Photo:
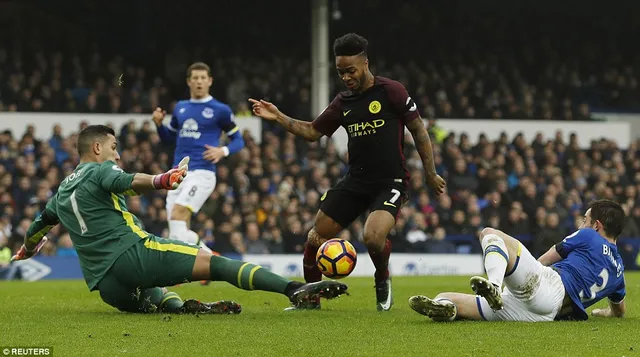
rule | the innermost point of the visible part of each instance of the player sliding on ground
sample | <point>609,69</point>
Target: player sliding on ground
<point>574,274</point>
<point>130,266</point>
<point>375,112</point>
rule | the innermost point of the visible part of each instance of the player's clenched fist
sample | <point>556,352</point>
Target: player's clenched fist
<point>158,116</point>
<point>172,179</point>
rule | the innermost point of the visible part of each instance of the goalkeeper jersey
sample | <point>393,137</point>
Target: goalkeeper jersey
<point>90,204</point>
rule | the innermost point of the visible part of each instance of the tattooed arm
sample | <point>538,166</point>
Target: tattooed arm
<point>300,128</point>
<point>407,109</point>
<point>423,145</point>
<point>325,124</point>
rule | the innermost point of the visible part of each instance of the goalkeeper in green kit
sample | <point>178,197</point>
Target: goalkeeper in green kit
<point>129,266</point>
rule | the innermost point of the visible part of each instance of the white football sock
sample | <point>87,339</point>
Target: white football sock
<point>191,237</point>
<point>496,258</point>
<point>204,246</point>
<point>178,230</point>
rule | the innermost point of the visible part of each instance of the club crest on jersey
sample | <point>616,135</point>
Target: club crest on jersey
<point>375,107</point>
<point>190,129</point>
<point>207,113</point>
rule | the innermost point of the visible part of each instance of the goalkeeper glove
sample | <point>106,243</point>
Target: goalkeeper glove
<point>24,253</point>
<point>172,179</point>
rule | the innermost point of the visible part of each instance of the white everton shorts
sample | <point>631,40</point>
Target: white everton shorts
<point>193,192</point>
<point>532,292</point>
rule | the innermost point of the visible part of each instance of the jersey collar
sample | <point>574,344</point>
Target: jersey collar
<point>203,100</point>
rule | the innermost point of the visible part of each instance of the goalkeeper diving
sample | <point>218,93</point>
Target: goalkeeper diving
<point>130,267</point>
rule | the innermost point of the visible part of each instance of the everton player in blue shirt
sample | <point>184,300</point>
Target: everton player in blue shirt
<point>196,126</point>
<point>579,271</point>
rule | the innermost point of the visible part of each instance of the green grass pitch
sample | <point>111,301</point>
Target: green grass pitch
<point>63,314</point>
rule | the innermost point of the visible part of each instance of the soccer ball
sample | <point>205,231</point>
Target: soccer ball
<point>336,258</point>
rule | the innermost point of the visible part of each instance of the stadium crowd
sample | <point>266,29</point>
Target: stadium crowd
<point>267,195</point>
<point>491,66</point>
<point>63,82</point>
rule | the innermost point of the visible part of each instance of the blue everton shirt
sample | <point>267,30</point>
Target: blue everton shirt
<point>591,270</point>
<point>196,123</point>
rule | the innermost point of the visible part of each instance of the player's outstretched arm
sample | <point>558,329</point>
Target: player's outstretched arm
<point>268,111</point>
<point>169,180</point>
<point>113,179</point>
<point>298,127</point>
<point>423,145</point>
<point>35,237</point>
<point>614,310</point>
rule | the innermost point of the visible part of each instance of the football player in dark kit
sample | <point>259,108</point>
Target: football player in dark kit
<point>374,111</point>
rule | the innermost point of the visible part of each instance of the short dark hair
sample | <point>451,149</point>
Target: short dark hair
<point>610,214</point>
<point>350,44</point>
<point>90,135</point>
<point>198,66</point>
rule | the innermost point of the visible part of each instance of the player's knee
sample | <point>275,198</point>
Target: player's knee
<point>487,231</point>
<point>180,213</point>
<point>374,238</point>
<point>495,243</point>
<point>314,238</point>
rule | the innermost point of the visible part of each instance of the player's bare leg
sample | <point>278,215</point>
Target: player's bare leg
<point>248,276</point>
<point>447,306</point>
<point>324,228</point>
<point>376,229</point>
<point>500,256</point>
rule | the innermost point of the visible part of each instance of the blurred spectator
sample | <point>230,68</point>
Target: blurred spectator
<point>258,213</point>
<point>491,66</point>
<point>65,246</point>
<point>437,244</point>
<point>550,234</point>
<point>6,270</point>
<point>254,244</point>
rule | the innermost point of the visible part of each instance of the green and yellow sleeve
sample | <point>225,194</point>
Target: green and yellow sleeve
<point>42,224</point>
<point>113,179</point>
